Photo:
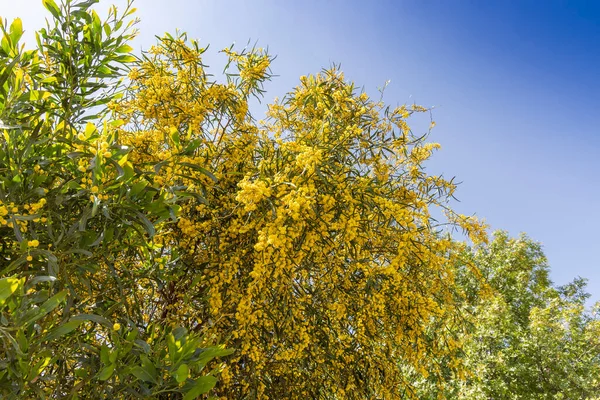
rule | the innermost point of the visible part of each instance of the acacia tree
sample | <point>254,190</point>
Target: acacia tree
<point>310,247</point>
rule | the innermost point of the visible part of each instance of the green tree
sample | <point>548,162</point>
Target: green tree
<point>530,340</point>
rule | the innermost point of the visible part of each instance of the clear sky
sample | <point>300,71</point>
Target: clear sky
<point>516,86</point>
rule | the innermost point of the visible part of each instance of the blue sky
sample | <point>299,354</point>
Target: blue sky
<point>515,85</point>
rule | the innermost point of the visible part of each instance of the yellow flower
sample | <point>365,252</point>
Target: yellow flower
<point>29,258</point>
<point>94,189</point>
<point>33,243</point>
<point>107,154</point>
<point>116,326</point>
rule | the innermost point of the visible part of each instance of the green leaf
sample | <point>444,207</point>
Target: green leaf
<point>93,318</point>
<point>174,135</point>
<point>63,329</point>
<point>35,95</point>
<point>124,49</point>
<point>16,31</point>
<point>146,222</point>
<point>182,373</point>
<point>104,354</point>
<point>202,385</point>
<point>8,286</point>
<point>48,306</point>
<point>148,366</point>
<point>142,374</point>
<point>125,59</point>
<point>52,7</point>
<point>138,187</point>
<point>106,372</point>
<point>113,356</point>
<point>200,169</point>
<point>211,352</point>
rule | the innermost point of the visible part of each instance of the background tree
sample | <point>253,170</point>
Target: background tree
<point>530,340</point>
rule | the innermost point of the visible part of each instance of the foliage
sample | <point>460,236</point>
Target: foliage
<point>531,340</point>
<point>76,226</point>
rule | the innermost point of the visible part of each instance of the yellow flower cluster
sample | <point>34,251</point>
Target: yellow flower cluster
<point>251,193</point>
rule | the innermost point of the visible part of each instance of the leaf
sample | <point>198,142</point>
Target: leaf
<point>142,374</point>
<point>48,306</point>
<point>200,169</point>
<point>126,59</point>
<point>63,329</point>
<point>202,385</point>
<point>174,135</point>
<point>124,49</point>
<point>34,281</point>
<point>52,7</point>
<point>93,318</point>
<point>138,187</point>
<point>148,366</point>
<point>106,372</point>
<point>8,286</point>
<point>104,354</point>
<point>35,95</point>
<point>143,345</point>
<point>209,353</point>
<point>146,222</point>
<point>182,373</point>
<point>89,129</point>
<point>16,31</point>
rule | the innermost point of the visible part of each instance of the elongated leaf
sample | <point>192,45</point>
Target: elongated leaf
<point>202,385</point>
<point>142,374</point>
<point>93,318</point>
<point>52,7</point>
<point>48,306</point>
<point>106,372</point>
<point>63,329</point>
<point>7,287</point>
<point>182,373</point>
<point>200,169</point>
<point>146,222</point>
